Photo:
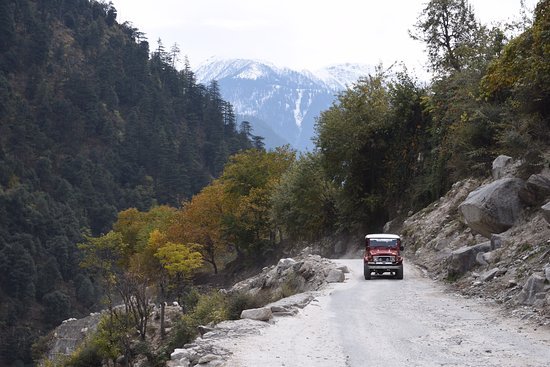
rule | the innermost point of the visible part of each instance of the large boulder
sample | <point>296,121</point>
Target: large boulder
<point>501,166</point>
<point>493,208</point>
<point>546,211</point>
<point>464,259</point>
<point>536,190</point>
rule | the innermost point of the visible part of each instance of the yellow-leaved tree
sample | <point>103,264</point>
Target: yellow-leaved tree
<point>137,255</point>
<point>200,222</point>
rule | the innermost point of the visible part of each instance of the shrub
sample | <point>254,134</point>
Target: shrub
<point>209,308</point>
<point>237,302</point>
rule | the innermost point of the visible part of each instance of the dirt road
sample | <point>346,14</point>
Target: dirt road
<point>388,322</point>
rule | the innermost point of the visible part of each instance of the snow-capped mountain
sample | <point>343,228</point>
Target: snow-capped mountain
<point>279,102</point>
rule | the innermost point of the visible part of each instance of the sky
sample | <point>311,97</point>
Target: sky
<point>299,34</point>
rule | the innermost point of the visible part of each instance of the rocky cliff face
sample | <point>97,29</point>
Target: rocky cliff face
<point>489,239</point>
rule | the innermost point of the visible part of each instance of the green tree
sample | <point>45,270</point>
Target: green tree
<point>449,30</point>
<point>519,80</point>
<point>353,139</point>
<point>303,203</point>
<point>57,306</point>
<point>249,180</point>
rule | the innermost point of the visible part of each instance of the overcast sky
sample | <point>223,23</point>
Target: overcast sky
<point>300,34</point>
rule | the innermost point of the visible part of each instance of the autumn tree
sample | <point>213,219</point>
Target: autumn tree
<point>200,221</point>
<point>137,254</point>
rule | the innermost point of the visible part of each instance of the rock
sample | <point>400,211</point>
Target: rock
<point>490,257</point>
<point>335,276</point>
<point>299,300</point>
<point>546,211</point>
<point>260,314</point>
<point>493,208</point>
<point>501,166</point>
<point>208,358</point>
<point>480,259</point>
<point>533,285</point>
<point>204,329</point>
<point>442,244</point>
<point>547,272</point>
<point>496,241</point>
<point>463,259</point>
<point>488,275</point>
<point>121,360</point>
<point>344,269</point>
<point>285,263</point>
<point>307,270</point>
<point>536,190</point>
<point>179,353</point>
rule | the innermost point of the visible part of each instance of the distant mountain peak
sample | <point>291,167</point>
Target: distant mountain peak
<point>277,99</point>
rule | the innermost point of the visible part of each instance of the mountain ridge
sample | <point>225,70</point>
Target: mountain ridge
<point>287,100</point>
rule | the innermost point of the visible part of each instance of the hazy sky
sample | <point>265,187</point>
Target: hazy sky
<point>300,34</point>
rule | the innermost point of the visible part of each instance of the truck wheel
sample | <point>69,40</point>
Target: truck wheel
<point>366,270</point>
<point>399,272</point>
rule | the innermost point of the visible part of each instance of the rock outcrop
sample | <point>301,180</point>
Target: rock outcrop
<point>464,258</point>
<point>536,190</point>
<point>493,208</point>
<point>502,166</point>
<point>260,314</point>
<point>289,276</point>
<point>448,239</point>
<point>302,276</point>
<point>69,335</point>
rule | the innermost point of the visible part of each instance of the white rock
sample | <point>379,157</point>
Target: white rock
<point>335,276</point>
<point>344,269</point>
<point>208,358</point>
<point>179,353</point>
<point>261,314</point>
<point>501,165</point>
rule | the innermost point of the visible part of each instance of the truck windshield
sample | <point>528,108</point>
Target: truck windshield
<point>383,242</point>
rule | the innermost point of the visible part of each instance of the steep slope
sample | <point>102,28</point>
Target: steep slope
<point>91,123</point>
<point>287,100</point>
<point>512,267</point>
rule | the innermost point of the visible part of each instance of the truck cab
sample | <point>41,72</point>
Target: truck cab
<point>383,255</point>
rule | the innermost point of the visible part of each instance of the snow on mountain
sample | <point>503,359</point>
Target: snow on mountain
<point>341,76</point>
<point>288,101</point>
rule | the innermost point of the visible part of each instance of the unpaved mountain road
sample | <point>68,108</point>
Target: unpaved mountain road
<point>388,322</point>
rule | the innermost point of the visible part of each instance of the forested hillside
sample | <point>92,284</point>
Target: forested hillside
<point>93,120</point>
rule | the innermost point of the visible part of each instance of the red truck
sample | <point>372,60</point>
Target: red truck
<point>383,254</point>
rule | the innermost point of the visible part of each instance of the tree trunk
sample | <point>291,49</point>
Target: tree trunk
<point>162,327</point>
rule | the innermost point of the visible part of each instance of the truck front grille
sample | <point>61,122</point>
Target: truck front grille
<point>384,259</point>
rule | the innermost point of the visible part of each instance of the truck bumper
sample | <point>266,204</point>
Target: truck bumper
<point>374,266</point>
